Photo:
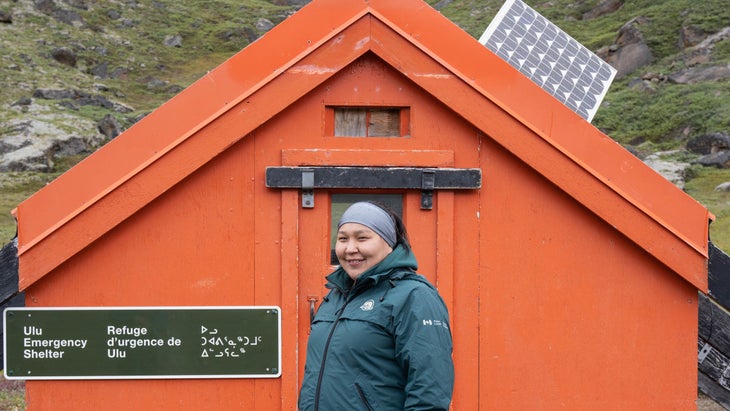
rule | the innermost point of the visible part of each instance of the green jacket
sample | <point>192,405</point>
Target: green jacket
<point>381,343</point>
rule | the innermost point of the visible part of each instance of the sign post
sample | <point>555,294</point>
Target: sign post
<point>146,343</point>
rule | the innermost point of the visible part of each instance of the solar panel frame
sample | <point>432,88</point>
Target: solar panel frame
<point>549,57</point>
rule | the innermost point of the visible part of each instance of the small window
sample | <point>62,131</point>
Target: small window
<point>340,202</point>
<point>368,121</point>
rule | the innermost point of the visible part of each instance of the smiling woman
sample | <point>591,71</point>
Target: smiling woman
<point>383,331</point>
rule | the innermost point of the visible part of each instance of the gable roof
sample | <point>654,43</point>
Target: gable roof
<point>313,45</point>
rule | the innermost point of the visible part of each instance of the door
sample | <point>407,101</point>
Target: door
<point>310,234</point>
<point>309,217</point>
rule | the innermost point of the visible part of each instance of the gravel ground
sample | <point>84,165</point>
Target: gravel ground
<point>705,403</point>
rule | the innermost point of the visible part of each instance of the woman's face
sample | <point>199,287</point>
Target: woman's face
<point>359,248</point>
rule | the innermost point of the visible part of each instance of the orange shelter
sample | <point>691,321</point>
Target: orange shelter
<point>570,268</point>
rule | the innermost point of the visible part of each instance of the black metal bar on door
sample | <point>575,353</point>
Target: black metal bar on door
<point>425,179</point>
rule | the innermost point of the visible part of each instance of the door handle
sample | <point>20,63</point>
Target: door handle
<point>312,301</point>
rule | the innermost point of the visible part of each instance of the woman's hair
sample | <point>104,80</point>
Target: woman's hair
<point>401,234</point>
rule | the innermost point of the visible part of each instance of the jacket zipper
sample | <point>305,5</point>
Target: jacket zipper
<point>361,394</point>
<point>326,349</point>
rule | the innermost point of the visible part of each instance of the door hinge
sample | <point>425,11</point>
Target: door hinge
<point>428,182</point>
<point>307,188</point>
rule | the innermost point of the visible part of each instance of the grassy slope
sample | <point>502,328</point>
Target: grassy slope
<point>12,394</point>
<point>212,31</point>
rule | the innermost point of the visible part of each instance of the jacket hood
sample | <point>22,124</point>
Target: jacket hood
<point>400,260</point>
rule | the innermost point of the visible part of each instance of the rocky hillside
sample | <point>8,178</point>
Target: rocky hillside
<point>76,73</point>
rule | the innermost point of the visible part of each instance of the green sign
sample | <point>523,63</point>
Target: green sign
<point>163,342</point>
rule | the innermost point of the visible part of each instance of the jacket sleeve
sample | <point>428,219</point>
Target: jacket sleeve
<point>423,349</point>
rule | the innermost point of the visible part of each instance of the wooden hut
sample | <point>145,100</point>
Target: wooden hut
<point>570,268</point>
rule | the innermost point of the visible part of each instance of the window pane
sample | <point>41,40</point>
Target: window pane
<point>384,123</point>
<point>350,122</point>
<point>340,202</point>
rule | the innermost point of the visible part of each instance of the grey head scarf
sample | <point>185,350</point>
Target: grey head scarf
<point>373,217</point>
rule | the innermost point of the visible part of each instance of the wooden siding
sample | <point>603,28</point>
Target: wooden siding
<point>713,342</point>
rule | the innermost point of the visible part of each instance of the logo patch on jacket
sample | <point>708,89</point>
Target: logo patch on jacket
<point>367,305</point>
<point>437,323</point>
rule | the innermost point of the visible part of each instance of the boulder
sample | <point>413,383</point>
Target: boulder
<point>81,98</point>
<point>245,33</point>
<point>109,127</point>
<point>55,94</point>
<point>32,143</point>
<point>65,56</point>
<point>709,143</point>
<point>173,41</point>
<point>6,17</point>
<point>263,25</point>
<point>441,4</point>
<point>672,170</point>
<point>629,51</point>
<point>101,70</point>
<point>51,8</point>
<point>690,36</point>
<point>701,74</point>
<point>28,158</point>
<point>23,101</point>
<point>720,159</point>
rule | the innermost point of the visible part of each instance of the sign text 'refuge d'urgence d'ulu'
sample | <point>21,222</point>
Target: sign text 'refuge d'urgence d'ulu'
<point>164,342</point>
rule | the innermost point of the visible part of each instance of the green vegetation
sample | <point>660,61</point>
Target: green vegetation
<point>12,394</point>
<point>629,114</point>
<point>16,187</point>
<point>702,188</point>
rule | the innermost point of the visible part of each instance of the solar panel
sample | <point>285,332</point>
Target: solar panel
<point>549,57</point>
